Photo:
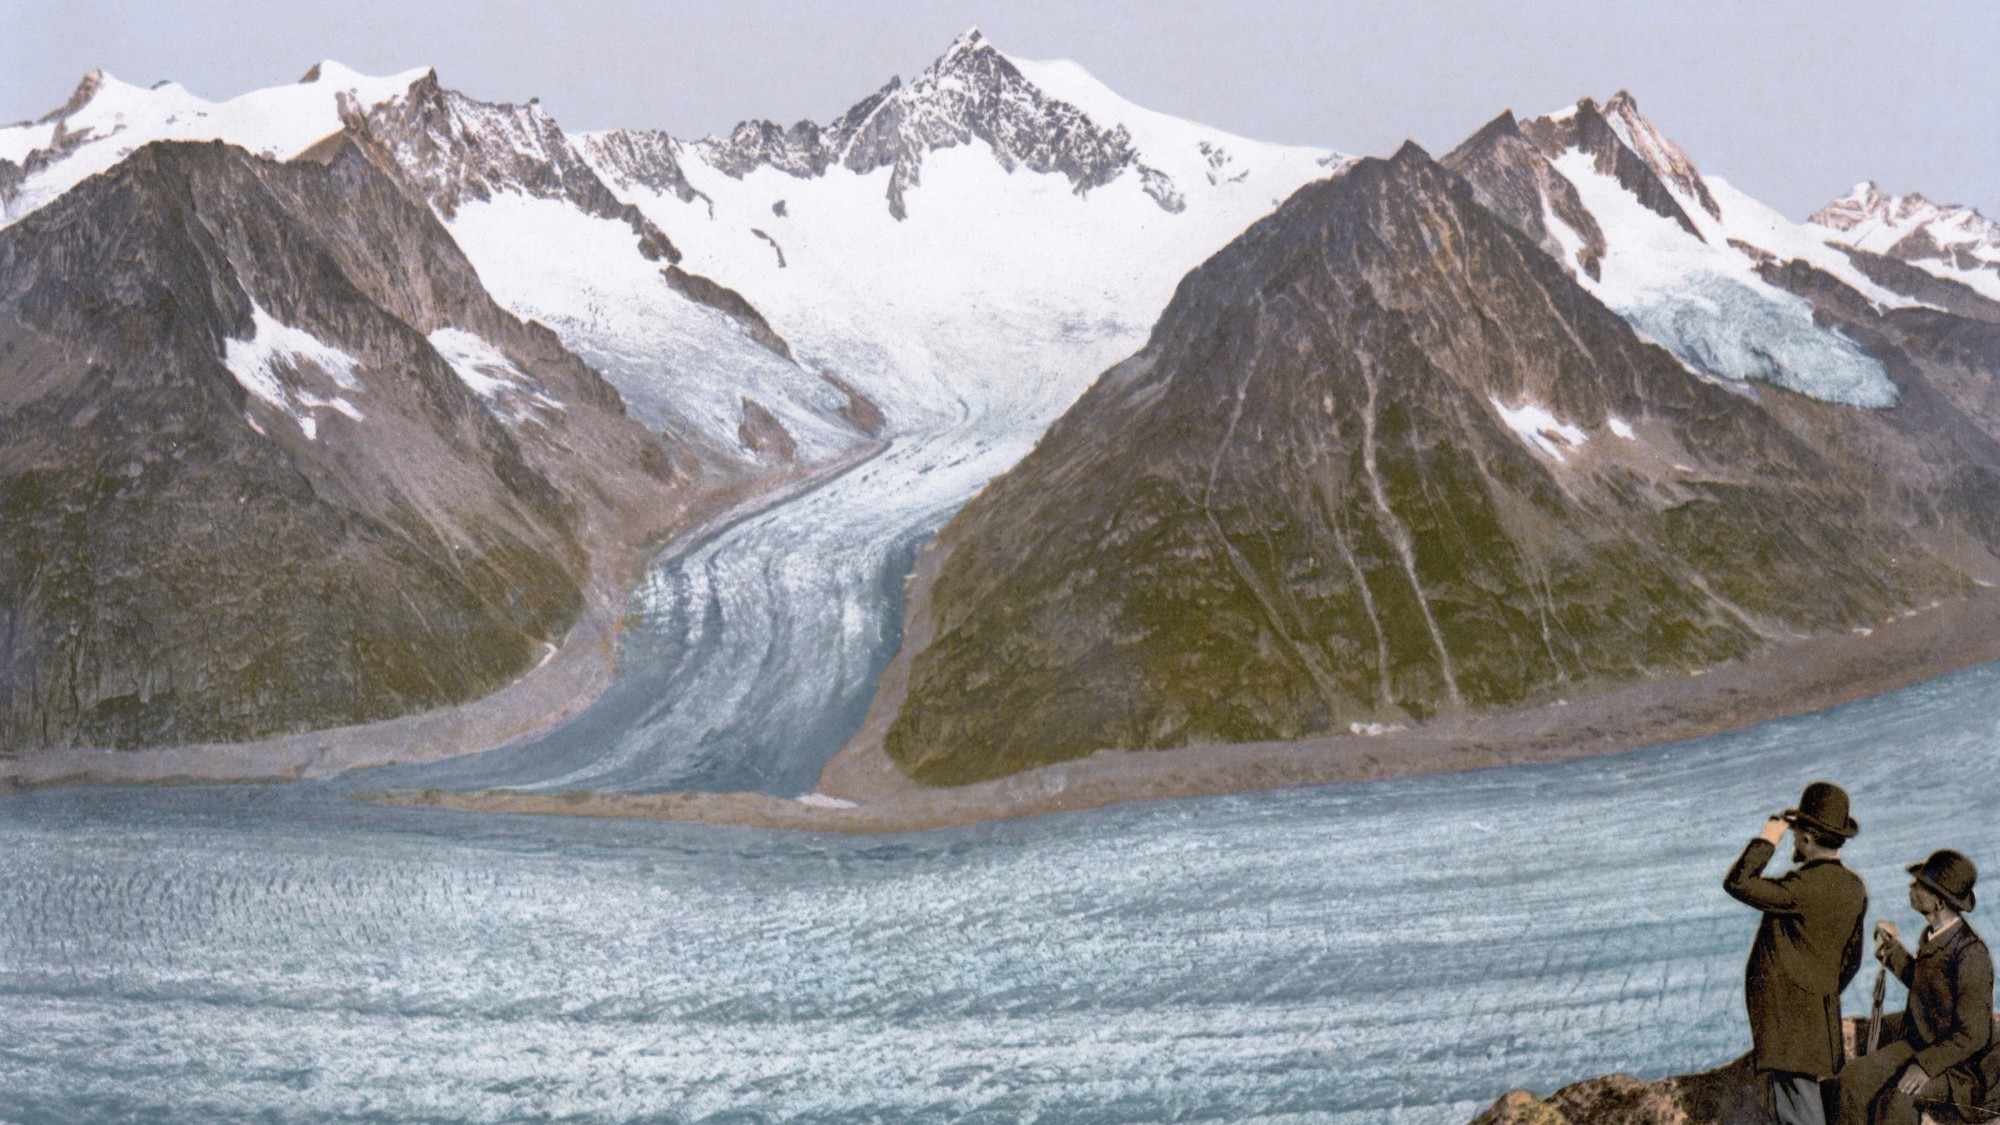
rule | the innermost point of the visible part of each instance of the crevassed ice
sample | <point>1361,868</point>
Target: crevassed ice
<point>274,348</point>
<point>1724,329</point>
<point>1704,301</point>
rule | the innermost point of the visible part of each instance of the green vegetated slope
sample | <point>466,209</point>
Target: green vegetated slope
<point>1302,505</point>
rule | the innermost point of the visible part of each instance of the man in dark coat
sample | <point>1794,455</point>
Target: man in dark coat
<point>1808,947</point>
<point>1930,1051</point>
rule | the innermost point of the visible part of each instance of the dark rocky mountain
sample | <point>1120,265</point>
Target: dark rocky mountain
<point>1512,177</point>
<point>1383,458</point>
<point>970,92</point>
<point>271,459</point>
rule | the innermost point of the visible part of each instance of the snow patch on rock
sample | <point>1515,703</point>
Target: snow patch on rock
<point>510,393</point>
<point>268,365</point>
<point>1534,424</point>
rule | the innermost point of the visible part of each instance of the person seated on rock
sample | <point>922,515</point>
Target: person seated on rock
<point>1931,1051</point>
<point>1808,947</point>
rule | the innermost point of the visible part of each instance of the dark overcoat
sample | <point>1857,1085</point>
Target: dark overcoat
<point>1808,947</point>
<point>1949,1021</point>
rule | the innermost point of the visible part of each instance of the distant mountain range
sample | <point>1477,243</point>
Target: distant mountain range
<point>330,403</point>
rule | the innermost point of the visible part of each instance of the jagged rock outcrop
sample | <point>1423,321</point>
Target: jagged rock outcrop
<point>764,435</point>
<point>271,459</point>
<point>1382,459</point>
<point>450,148</point>
<point>1730,1095</point>
<point>971,92</point>
<point>724,299</point>
<point>645,157</point>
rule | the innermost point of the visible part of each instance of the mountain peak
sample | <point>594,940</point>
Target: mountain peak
<point>1504,125</point>
<point>972,92</point>
<point>1411,154</point>
<point>1626,146</point>
<point>968,40</point>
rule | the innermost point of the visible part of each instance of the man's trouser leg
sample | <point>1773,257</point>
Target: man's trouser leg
<point>1796,1099</point>
<point>1868,1094</point>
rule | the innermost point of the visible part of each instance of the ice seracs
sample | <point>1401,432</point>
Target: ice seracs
<point>1681,257</point>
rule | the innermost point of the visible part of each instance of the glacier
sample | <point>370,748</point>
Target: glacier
<point>1393,953</point>
<point>1725,329</point>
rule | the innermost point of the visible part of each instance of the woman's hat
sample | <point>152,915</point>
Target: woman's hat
<point>1951,875</point>
<point>1824,806</point>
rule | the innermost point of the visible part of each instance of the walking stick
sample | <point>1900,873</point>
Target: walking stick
<point>1875,1011</point>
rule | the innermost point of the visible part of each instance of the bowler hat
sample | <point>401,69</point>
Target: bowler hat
<point>1951,875</point>
<point>1824,806</point>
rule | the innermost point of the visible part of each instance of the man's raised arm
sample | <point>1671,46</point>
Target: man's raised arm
<point>1746,882</point>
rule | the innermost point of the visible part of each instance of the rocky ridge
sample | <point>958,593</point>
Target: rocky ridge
<point>1675,255</point>
<point>451,151</point>
<point>973,91</point>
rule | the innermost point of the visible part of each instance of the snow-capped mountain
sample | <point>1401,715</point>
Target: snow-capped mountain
<point>553,242</point>
<point>754,320</point>
<point>106,120</point>
<point>1677,254</point>
<point>272,459</point>
<point>1953,242</point>
<point>687,355</point>
<point>936,274</point>
<point>987,236</point>
<point>973,91</point>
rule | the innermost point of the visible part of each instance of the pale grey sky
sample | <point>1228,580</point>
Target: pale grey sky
<point>1790,100</point>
